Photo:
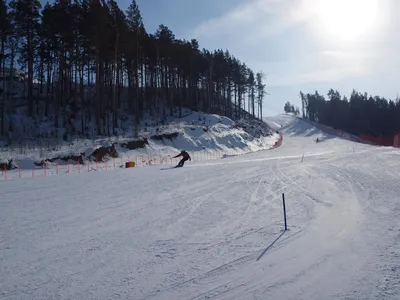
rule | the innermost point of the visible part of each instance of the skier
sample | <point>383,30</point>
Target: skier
<point>185,157</point>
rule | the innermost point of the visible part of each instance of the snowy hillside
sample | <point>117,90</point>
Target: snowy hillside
<point>200,134</point>
<point>211,230</point>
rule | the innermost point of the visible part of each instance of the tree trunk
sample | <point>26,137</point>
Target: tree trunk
<point>3,99</point>
<point>115,94</point>
<point>99,90</point>
<point>30,72</point>
<point>82,97</point>
<point>3,93</point>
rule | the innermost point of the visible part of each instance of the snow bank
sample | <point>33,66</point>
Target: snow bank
<point>194,132</point>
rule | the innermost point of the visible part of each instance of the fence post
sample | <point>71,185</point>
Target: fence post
<point>284,210</point>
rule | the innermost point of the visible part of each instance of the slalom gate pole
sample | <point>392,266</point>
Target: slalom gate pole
<point>284,210</point>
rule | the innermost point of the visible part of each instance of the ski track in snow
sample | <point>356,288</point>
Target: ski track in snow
<point>211,230</point>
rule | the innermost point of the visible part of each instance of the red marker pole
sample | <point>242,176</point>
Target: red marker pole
<point>19,171</point>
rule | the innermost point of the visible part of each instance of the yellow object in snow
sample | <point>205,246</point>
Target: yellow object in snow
<point>130,164</point>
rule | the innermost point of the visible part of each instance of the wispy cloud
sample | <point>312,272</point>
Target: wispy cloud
<point>332,74</point>
<point>322,67</point>
<point>315,76</point>
<point>256,17</point>
<point>326,66</point>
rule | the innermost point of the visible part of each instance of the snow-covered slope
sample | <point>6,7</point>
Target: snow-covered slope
<point>200,134</point>
<point>211,230</point>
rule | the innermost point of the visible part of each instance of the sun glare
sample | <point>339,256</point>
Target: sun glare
<point>346,20</point>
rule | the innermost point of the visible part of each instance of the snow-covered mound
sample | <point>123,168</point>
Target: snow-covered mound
<point>299,135</point>
<point>213,133</point>
<point>194,132</point>
<point>281,121</point>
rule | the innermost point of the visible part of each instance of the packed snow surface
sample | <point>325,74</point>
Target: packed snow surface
<point>211,230</point>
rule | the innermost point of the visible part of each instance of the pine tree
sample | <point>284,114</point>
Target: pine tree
<point>4,33</point>
<point>136,28</point>
<point>261,92</point>
<point>252,86</point>
<point>25,15</point>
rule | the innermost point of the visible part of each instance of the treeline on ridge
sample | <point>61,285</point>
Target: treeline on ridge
<point>89,60</point>
<point>361,114</point>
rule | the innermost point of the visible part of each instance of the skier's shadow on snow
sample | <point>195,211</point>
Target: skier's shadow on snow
<point>266,249</point>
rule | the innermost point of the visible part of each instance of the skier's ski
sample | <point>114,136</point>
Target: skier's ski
<point>171,168</point>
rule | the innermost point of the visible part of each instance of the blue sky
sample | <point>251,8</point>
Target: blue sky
<point>302,45</point>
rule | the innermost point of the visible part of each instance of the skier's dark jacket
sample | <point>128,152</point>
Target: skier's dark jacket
<point>184,154</point>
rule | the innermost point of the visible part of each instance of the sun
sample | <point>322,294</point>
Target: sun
<point>346,20</point>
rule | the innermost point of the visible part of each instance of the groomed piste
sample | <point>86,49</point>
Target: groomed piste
<point>212,229</point>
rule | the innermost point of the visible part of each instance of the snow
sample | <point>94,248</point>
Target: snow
<point>212,229</point>
<point>203,134</point>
